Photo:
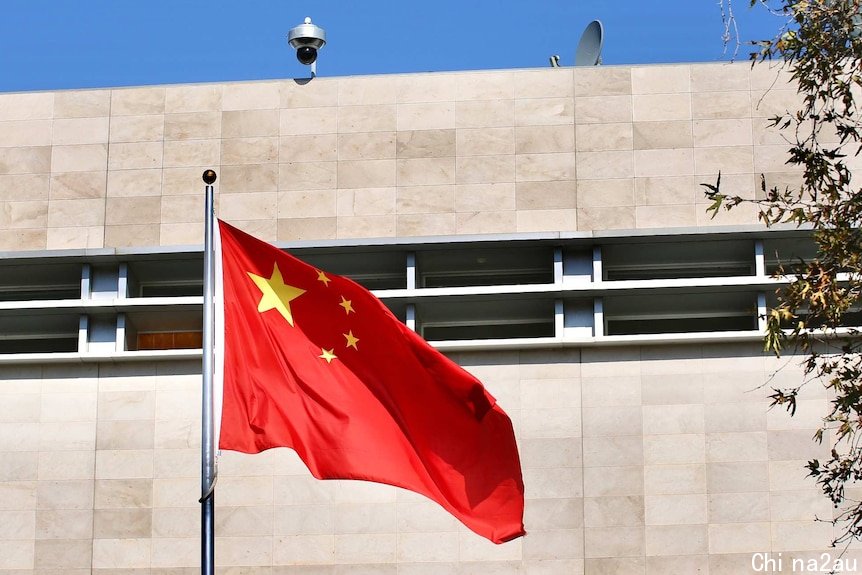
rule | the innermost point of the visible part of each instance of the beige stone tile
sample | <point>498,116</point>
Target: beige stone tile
<point>121,553</point>
<point>484,114</point>
<point>736,417</point>
<point>482,197</point>
<point>612,421</point>
<point>661,79</point>
<point>322,120</point>
<point>307,204</point>
<point>544,167</point>
<point>417,547</point>
<point>29,160</point>
<point>424,199</point>
<point>676,509</point>
<point>415,88</point>
<point>130,183</point>
<point>425,224</point>
<point>538,140</point>
<point>604,81</point>
<point>130,156</point>
<point>738,507</point>
<point>21,133</point>
<point>795,505</point>
<point>545,83</point>
<point>674,449</point>
<point>483,85</point>
<point>666,190</point>
<point>731,447</point>
<point>65,494</point>
<point>249,151</point>
<point>169,553</point>
<point>671,162</point>
<point>251,206</point>
<point>64,435</point>
<point>424,171</point>
<point>64,524</point>
<point>605,193</point>
<point>179,154</point>
<point>322,92</point>
<point>425,144</point>
<point>125,435</point>
<point>613,542</point>
<point>605,165</point>
<point>18,495</point>
<point>365,201</point>
<point>17,525</point>
<point>719,77</point>
<point>149,128</point>
<point>124,464</point>
<point>371,118</point>
<point>18,466</point>
<point>426,116</point>
<point>710,105</point>
<point>767,75</point>
<point>795,444</point>
<point>774,102</point>
<point>556,545</point>
<point>665,216</point>
<point>192,126</point>
<point>603,109</point>
<point>613,511</point>
<point>601,137</point>
<point>247,521</point>
<point>137,101</point>
<point>739,537</point>
<point>182,209</point>
<point>656,565</point>
<point>82,103</point>
<point>669,419</point>
<point>62,465</point>
<point>65,556</point>
<point>250,96</point>
<point>771,159</point>
<point>185,99</point>
<point>78,406</point>
<point>603,218</point>
<point>129,235</point>
<point>544,111</point>
<point>674,479</point>
<point>123,493</point>
<point>20,187</point>
<point>303,549</point>
<point>652,135</point>
<point>248,178</point>
<point>484,169</point>
<point>727,160</point>
<point>78,158</point>
<point>27,106</point>
<point>545,195</point>
<point>23,239</point>
<point>183,181</point>
<point>144,210</point>
<point>366,146</point>
<point>494,141</point>
<point>729,132</point>
<point>180,234</point>
<point>245,491</point>
<point>309,148</point>
<point>356,91</point>
<point>24,214</point>
<point>676,540</point>
<point>802,535</point>
<point>661,107</point>
<point>378,226</point>
<point>366,173</point>
<point>249,123</point>
<point>77,185</point>
<point>546,220</point>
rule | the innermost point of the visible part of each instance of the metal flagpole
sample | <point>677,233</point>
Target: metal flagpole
<point>207,499</point>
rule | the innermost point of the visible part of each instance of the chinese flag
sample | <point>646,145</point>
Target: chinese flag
<point>314,362</point>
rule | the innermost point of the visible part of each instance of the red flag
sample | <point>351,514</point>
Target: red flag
<point>316,363</point>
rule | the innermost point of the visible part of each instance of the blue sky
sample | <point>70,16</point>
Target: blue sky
<point>57,44</point>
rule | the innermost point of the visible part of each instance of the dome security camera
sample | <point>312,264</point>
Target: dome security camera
<point>307,39</point>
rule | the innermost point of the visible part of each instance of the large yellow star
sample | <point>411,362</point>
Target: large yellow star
<point>352,340</point>
<point>327,354</point>
<point>275,294</point>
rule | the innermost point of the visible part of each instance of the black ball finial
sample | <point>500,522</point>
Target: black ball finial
<point>209,177</point>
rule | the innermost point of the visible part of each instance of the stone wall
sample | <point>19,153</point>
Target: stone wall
<point>650,460</point>
<point>556,149</point>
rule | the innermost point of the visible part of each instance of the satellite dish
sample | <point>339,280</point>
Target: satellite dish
<point>589,52</point>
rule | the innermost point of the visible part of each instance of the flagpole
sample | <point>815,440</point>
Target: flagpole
<point>207,499</point>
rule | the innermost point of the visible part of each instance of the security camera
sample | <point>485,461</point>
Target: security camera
<point>307,39</point>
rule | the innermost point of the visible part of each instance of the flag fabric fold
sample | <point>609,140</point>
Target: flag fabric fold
<point>314,362</point>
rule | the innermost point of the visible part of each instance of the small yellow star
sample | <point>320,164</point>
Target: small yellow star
<point>321,277</point>
<point>327,354</point>
<point>275,294</point>
<point>347,305</point>
<point>351,340</point>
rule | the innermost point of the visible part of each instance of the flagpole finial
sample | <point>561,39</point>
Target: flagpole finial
<point>209,177</point>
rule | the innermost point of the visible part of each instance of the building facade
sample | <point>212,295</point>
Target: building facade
<point>545,228</point>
